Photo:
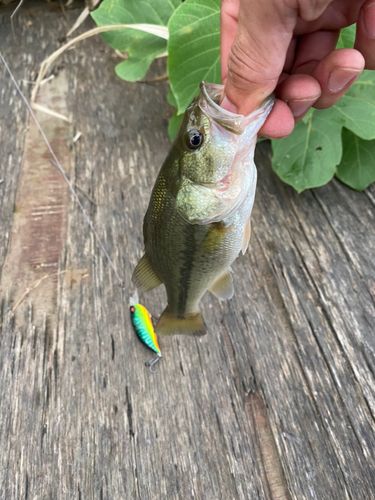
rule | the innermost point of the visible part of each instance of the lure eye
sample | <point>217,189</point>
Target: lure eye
<point>132,309</point>
<point>194,139</point>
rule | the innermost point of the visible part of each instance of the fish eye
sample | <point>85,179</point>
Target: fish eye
<point>194,139</point>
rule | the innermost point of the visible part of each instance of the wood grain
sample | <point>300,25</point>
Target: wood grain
<point>276,402</point>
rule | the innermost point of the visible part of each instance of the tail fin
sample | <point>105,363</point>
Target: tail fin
<point>190,324</point>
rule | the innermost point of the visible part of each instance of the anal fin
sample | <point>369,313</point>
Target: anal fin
<point>144,277</point>
<point>223,288</point>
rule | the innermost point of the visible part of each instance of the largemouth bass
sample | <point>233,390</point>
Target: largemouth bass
<point>198,218</point>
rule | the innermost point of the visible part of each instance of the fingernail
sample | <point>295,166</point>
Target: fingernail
<point>370,20</point>
<point>340,77</point>
<point>299,108</point>
<point>226,104</point>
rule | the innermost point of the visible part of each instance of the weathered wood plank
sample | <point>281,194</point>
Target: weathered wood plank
<point>41,207</point>
<point>276,402</point>
<point>99,424</point>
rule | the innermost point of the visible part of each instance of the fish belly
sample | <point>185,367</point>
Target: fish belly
<point>190,258</point>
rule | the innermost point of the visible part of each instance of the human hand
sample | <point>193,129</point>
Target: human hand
<point>288,46</point>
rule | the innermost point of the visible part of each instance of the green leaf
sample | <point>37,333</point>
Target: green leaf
<point>307,116</point>
<point>356,109</point>
<point>174,125</point>
<point>193,48</point>
<point>364,87</point>
<point>142,47</point>
<point>176,119</point>
<point>171,98</point>
<point>308,157</point>
<point>346,38</point>
<point>357,167</point>
<point>133,68</point>
<point>298,159</point>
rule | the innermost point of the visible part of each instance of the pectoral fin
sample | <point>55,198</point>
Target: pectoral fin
<point>144,277</point>
<point>246,237</point>
<point>223,288</point>
<point>215,237</point>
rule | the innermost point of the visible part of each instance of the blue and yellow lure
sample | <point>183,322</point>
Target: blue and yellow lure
<point>141,321</point>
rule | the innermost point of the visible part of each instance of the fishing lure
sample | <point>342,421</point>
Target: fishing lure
<point>141,321</point>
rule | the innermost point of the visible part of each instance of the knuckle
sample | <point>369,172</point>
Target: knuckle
<point>311,10</point>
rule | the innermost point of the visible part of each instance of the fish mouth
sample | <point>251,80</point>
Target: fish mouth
<point>209,99</point>
<point>220,186</point>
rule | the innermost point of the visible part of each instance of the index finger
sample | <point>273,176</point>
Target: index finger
<point>365,36</point>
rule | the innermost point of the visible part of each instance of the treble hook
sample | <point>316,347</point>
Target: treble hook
<point>152,362</point>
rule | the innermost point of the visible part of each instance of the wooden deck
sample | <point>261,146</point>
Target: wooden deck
<point>277,402</point>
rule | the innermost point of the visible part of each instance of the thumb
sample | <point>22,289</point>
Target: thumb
<point>253,52</point>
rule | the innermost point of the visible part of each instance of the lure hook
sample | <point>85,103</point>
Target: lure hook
<point>152,362</point>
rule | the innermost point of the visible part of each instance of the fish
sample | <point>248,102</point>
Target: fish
<point>144,329</point>
<point>198,217</point>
